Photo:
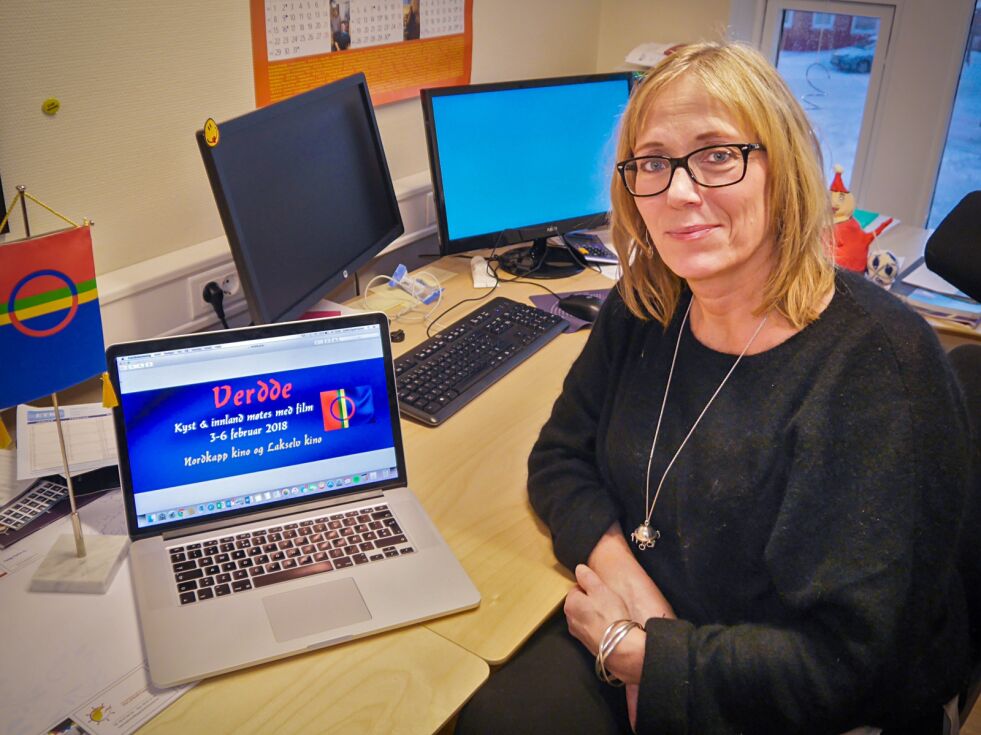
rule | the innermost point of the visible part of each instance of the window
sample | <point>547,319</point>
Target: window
<point>909,97</point>
<point>822,21</point>
<point>960,166</point>
<point>830,72</point>
<point>788,19</point>
<point>862,25</point>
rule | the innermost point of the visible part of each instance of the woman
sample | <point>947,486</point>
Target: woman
<point>758,459</point>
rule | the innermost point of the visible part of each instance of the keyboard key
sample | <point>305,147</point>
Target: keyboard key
<point>222,590</point>
<point>222,578</point>
<point>187,586</point>
<point>240,574</point>
<point>185,566</point>
<point>206,594</point>
<point>187,597</point>
<point>241,585</point>
<point>185,576</point>
<point>343,562</point>
<point>295,573</point>
<point>360,559</point>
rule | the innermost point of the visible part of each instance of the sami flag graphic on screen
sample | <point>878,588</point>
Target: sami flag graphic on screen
<point>347,407</point>
<point>50,324</point>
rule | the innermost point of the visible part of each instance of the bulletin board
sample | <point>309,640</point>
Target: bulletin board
<point>402,46</point>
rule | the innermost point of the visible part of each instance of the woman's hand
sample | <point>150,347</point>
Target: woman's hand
<point>614,562</point>
<point>589,609</point>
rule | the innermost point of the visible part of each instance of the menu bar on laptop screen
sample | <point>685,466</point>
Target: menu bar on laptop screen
<point>215,428</point>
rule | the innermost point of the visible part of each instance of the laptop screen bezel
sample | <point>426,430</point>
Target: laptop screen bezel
<point>127,349</point>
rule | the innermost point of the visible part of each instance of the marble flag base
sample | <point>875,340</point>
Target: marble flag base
<point>63,571</point>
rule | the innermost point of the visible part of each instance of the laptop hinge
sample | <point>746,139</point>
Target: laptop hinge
<point>272,513</point>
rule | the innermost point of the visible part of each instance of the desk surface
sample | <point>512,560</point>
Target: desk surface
<point>471,476</point>
<point>406,681</point>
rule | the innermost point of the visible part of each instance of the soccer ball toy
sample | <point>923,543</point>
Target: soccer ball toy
<point>883,267</point>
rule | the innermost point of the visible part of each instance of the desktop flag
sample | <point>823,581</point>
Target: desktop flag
<point>50,325</point>
<point>347,407</point>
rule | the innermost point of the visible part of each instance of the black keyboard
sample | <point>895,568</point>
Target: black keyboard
<point>450,369</point>
<point>225,564</point>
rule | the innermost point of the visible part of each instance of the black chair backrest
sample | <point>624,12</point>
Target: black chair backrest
<point>966,360</point>
<point>953,251</point>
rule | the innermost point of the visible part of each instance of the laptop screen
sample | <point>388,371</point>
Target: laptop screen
<point>228,425</point>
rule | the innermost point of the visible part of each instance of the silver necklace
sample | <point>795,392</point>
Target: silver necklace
<point>644,536</point>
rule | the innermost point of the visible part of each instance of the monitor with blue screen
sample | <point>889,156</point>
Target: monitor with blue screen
<point>523,160</point>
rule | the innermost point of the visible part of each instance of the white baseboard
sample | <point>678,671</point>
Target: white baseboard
<point>151,299</point>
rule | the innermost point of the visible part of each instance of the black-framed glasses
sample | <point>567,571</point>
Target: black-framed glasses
<point>712,166</point>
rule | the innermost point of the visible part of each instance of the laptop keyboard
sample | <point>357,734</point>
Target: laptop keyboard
<point>220,566</point>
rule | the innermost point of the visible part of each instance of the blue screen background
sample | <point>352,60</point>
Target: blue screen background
<point>521,157</point>
<point>157,451</point>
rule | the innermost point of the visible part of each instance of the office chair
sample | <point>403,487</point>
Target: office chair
<point>954,253</point>
<point>966,360</point>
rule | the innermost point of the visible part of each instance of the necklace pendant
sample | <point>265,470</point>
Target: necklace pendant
<point>645,537</point>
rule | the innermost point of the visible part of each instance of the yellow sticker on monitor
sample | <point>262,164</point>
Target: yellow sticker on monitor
<point>211,133</point>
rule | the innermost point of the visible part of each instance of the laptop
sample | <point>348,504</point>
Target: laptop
<point>266,495</point>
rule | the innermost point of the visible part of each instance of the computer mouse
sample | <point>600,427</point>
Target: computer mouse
<point>582,306</point>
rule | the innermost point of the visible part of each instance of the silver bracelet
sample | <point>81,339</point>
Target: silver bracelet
<point>614,633</point>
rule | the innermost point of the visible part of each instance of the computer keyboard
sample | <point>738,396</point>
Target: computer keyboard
<point>450,369</point>
<point>225,564</point>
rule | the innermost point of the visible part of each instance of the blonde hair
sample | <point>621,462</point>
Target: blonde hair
<point>742,80</point>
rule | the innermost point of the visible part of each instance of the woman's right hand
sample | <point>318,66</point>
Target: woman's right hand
<point>615,564</point>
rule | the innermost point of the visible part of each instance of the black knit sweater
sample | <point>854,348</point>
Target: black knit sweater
<point>809,527</point>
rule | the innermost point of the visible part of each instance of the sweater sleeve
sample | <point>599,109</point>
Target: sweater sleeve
<point>564,483</point>
<point>862,559</point>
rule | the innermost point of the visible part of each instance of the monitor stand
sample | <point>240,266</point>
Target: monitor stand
<point>542,260</point>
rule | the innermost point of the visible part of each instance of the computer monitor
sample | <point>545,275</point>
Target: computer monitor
<point>523,160</point>
<point>304,193</point>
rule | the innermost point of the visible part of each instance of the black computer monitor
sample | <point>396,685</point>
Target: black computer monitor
<point>304,193</point>
<point>523,161</point>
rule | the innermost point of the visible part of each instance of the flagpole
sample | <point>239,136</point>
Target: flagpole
<point>76,523</point>
<point>23,208</point>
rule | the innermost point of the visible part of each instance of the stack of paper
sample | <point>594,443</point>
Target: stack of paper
<point>932,296</point>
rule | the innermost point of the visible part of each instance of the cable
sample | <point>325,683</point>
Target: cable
<point>407,309</point>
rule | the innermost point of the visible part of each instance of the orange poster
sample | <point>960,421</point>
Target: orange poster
<point>402,46</point>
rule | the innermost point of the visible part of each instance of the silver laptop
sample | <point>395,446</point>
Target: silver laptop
<point>265,488</point>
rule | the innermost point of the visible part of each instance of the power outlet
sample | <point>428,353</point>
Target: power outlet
<point>226,277</point>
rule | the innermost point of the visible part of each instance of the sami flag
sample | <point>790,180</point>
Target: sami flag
<point>50,326</point>
<point>347,407</point>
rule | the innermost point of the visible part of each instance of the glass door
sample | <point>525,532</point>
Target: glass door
<point>832,55</point>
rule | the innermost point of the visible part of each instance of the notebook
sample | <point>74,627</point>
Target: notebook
<point>266,495</point>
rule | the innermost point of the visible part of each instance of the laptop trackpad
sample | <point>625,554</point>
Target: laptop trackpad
<point>310,610</point>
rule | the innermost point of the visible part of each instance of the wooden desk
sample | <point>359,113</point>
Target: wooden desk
<point>409,680</point>
<point>471,476</point>
<point>406,681</point>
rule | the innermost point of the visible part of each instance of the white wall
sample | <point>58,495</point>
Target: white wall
<point>626,23</point>
<point>136,79</point>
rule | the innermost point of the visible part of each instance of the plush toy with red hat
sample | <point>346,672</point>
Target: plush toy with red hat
<point>851,241</point>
